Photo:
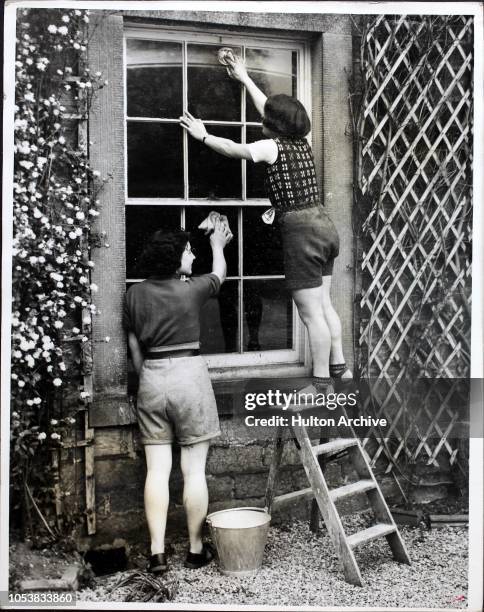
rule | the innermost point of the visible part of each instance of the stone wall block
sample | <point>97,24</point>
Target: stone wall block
<point>235,460</point>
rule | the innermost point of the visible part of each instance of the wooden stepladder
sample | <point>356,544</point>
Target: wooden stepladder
<point>326,498</point>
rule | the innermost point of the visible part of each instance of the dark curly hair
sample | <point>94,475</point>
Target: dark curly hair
<point>163,251</point>
<point>286,116</point>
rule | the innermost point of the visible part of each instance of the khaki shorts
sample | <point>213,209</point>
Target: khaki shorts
<point>176,402</point>
<point>310,244</point>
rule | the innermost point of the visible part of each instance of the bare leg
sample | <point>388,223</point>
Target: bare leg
<point>334,323</point>
<point>158,463</point>
<point>309,305</point>
<point>195,492</point>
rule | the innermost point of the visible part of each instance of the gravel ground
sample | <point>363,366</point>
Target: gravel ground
<point>300,569</point>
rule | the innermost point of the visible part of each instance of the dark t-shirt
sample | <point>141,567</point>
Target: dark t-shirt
<point>163,312</point>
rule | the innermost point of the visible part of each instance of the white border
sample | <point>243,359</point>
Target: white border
<point>476,510</point>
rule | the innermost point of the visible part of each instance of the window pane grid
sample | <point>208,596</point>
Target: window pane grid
<point>263,298</point>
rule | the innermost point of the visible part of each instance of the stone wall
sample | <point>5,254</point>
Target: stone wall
<point>237,470</point>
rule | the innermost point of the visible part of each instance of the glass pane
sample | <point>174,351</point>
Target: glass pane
<point>274,71</point>
<point>212,94</point>
<point>154,79</point>
<point>262,244</point>
<point>141,222</point>
<point>255,172</point>
<point>155,160</point>
<point>212,175</point>
<point>203,261</point>
<point>267,316</point>
<point>219,321</point>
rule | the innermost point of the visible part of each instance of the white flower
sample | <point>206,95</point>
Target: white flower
<point>86,320</point>
<point>62,366</point>
<point>75,330</point>
<point>33,259</point>
<point>30,361</point>
<point>52,29</point>
<point>21,383</point>
<point>80,215</point>
<point>57,382</point>
<point>26,164</point>
<point>72,235</point>
<point>55,436</point>
<point>29,96</point>
<point>37,213</point>
<point>62,30</point>
<point>58,324</point>
<point>42,435</point>
<point>54,421</point>
<point>62,139</point>
<point>65,18</point>
<point>37,400</point>
<point>83,394</point>
<point>93,287</point>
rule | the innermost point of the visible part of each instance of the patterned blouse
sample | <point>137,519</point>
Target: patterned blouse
<point>291,181</point>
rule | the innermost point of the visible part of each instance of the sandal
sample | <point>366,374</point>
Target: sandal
<point>158,564</point>
<point>196,561</point>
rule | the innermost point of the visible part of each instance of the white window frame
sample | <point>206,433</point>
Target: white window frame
<point>294,361</point>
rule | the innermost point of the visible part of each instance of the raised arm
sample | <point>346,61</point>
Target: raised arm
<point>218,240</point>
<point>224,146</point>
<point>238,71</point>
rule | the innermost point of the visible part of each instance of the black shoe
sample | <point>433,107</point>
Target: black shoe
<point>195,561</point>
<point>158,564</point>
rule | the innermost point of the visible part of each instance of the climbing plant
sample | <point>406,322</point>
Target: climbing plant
<point>54,207</point>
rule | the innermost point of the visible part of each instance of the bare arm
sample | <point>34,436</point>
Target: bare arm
<point>238,71</point>
<point>136,353</point>
<point>224,146</point>
<point>218,239</point>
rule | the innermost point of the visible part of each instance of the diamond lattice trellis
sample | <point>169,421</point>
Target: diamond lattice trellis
<point>414,175</point>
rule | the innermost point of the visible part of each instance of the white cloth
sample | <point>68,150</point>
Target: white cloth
<point>263,151</point>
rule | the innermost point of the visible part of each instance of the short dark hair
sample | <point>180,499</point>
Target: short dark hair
<point>286,116</point>
<point>162,254</point>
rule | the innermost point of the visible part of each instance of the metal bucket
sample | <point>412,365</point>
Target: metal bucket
<point>240,535</point>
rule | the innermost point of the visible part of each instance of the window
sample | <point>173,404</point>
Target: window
<point>173,181</point>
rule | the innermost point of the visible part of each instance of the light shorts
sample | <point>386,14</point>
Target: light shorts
<point>176,402</point>
<point>310,244</point>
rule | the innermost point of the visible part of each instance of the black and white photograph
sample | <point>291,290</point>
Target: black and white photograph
<point>242,305</point>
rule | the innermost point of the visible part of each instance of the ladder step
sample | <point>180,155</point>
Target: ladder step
<point>334,446</point>
<point>287,498</point>
<point>352,489</point>
<point>376,531</point>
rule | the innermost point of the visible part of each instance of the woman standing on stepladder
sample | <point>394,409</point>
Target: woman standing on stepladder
<point>310,240</point>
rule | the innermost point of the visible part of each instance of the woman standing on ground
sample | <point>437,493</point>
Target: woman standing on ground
<point>309,237</point>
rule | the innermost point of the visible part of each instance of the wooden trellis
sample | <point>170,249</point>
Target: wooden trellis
<point>413,201</point>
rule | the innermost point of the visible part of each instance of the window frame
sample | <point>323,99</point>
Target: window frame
<point>293,361</point>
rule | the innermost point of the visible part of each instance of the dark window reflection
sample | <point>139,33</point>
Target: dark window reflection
<point>219,322</point>
<point>141,223</point>
<point>212,94</point>
<point>212,175</point>
<point>155,160</point>
<point>203,262</point>
<point>255,172</point>
<point>267,316</point>
<point>262,244</point>
<point>154,79</point>
<point>273,71</point>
